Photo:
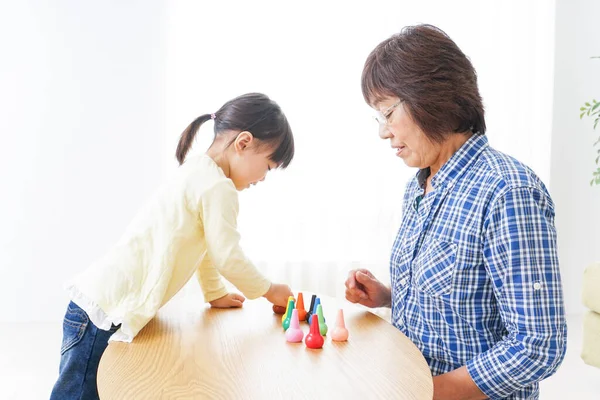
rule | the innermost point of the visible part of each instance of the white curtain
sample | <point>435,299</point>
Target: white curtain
<point>338,205</point>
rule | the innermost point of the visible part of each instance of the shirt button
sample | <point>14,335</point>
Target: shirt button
<point>537,286</point>
<point>403,281</point>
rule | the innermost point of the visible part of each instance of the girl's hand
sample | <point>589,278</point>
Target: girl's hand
<point>230,300</point>
<point>278,294</point>
<point>363,288</point>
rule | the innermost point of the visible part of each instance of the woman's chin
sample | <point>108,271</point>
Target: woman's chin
<point>410,163</point>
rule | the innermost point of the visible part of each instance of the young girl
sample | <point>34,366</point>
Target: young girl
<point>188,226</point>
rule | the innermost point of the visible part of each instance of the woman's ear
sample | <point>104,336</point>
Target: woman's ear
<point>243,140</point>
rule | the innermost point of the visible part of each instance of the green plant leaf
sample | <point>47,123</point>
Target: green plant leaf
<point>582,109</point>
<point>581,115</point>
<point>596,105</point>
<point>588,104</point>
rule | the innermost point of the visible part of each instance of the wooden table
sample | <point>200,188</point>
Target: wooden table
<point>190,351</point>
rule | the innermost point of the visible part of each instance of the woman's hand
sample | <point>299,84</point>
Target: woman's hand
<point>230,300</point>
<point>363,288</point>
<point>278,294</point>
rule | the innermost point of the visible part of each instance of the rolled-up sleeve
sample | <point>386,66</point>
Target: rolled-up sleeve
<point>521,259</point>
<point>219,218</point>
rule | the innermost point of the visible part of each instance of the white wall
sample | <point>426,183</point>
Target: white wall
<point>94,96</point>
<point>82,125</point>
<point>577,80</point>
<point>338,205</point>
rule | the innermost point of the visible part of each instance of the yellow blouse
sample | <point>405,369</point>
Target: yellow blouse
<point>189,226</point>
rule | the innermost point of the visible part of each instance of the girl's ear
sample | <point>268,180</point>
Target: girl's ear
<point>243,140</point>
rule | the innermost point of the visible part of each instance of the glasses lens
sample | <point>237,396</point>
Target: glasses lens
<point>380,119</point>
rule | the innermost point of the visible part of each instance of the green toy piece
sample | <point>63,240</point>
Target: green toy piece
<point>287,309</point>
<point>288,315</point>
<point>322,324</point>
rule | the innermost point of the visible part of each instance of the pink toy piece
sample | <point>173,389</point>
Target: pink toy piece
<point>339,333</point>
<point>294,334</point>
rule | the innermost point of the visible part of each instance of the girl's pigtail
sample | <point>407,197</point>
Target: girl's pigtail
<point>187,137</point>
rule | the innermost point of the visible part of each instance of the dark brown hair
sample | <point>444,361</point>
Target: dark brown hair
<point>252,112</point>
<point>426,70</point>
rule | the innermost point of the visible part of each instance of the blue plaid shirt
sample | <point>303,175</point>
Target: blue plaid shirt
<point>474,273</point>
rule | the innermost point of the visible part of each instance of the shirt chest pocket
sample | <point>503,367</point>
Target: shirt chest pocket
<point>434,268</point>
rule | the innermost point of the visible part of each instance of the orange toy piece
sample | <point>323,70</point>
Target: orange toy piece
<point>300,307</point>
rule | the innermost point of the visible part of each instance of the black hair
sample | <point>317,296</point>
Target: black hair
<point>252,112</point>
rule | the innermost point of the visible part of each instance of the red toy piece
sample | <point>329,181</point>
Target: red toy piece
<point>278,309</point>
<point>314,340</point>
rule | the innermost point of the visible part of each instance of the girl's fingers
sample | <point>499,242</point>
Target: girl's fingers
<point>238,297</point>
<point>236,303</point>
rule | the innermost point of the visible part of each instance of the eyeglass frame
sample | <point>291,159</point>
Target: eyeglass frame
<point>386,114</point>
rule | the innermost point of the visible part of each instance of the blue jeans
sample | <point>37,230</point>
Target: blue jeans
<point>82,346</point>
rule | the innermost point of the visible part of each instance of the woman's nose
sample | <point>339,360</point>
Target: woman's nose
<point>384,132</point>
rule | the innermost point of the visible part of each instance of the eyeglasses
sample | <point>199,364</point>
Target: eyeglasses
<point>382,117</point>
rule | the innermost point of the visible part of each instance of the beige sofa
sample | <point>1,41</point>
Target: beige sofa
<point>591,320</point>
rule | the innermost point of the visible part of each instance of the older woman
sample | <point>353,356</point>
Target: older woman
<point>475,282</point>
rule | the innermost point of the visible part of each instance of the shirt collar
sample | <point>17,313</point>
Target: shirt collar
<point>457,164</point>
